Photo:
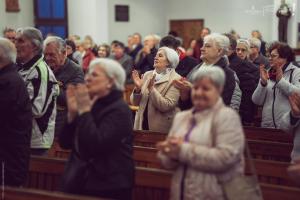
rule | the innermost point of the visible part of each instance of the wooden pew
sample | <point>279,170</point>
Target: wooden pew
<point>269,134</point>
<point>150,138</point>
<point>127,92</point>
<point>12,193</point>
<point>154,183</point>
<point>268,171</point>
<point>268,150</point>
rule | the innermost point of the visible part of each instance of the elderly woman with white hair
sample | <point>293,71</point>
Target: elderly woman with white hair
<point>154,93</point>
<point>213,53</point>
<point>99,133</point>
<point>205,144</point>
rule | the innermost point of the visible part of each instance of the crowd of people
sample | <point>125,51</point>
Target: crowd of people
<point>200,97</point>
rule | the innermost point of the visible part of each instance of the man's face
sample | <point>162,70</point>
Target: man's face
<point>11,35</point>
<point>25,48</point>
<point>53,56</point>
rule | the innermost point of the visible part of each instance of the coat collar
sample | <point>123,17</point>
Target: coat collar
<point>165,78</point>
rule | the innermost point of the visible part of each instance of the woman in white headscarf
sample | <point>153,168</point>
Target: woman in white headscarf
<point>154,93</point>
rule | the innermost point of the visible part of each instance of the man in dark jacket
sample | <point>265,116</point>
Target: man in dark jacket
<point>145,58</point>
<point>248,75</point>
<point>137,45</point>
<point>186,63</point>
<point>15,119</point>
<point>66,72</point>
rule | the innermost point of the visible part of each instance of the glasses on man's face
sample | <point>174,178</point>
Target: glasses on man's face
<point>240,49</point>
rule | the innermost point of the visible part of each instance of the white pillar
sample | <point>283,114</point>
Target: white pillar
<point>89,17</point>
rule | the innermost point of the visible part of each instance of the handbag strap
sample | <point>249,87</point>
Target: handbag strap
<point>213,132</point>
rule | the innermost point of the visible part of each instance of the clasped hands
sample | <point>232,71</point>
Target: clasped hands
<point>170,147</point>
<point>78,100</point>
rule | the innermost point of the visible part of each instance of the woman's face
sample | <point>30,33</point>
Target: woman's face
<point>102,52</point>
<point>210,51</point>
<point>241,51</point>
<point>204,94</point>
<point>160,60</point>
<point>97,82</point>
<point>275,60</point>
<point>69,50</point>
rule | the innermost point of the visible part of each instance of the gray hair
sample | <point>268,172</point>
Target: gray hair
<point>171,55</point>
<point>57,40</point>
<point>245,42</point>
<point>221,41</point>
<point>8,51</point>
<point>214,73</point>
<point>255,42</point>
<point>34,35</point>
<point>113,70</point>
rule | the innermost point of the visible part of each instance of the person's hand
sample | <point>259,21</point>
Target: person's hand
<point>294,100</point>
<point>138,82</point>
<point>71,103</point>
<point>151,83</point>
<point>184,88</point>
<point>84,102</point>
<point>294,171</point>
<point>174,143</point>
<point>264,76</point>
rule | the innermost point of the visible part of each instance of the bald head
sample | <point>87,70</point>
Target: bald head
<point>8,52</point>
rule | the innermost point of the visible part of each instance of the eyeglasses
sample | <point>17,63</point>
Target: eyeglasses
<point>240,49</point>
<point>273,55</point>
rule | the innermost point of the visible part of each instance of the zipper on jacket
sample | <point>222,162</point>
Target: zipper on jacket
<point>273,112</point>
<point>182,187</point>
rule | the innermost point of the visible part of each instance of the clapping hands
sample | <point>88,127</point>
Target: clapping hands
<point>78,100</point>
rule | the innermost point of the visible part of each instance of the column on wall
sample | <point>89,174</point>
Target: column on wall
<point>89,18</point>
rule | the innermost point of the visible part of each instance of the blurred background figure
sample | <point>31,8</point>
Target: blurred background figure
<point>103,51</point>
<point>10,34</point>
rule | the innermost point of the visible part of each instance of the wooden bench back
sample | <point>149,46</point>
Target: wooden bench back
<point>12,193</point>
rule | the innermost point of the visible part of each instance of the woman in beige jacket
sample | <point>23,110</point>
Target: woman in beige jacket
<point>155,95</point>
<point>205,144</point>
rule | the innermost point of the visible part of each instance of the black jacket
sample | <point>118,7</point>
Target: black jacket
<point>16,126</point>
<point>228,87</point>
<point>103,138</point>
<point>186,65</point>
<point>145,63</point>
<point>135,51</point>
<point>248,75</point>
<point>70,73</point>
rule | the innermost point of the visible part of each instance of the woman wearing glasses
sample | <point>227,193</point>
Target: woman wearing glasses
<point>277,84</point>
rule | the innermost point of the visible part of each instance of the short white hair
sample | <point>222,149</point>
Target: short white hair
<point>61,44</point>
<point>214,73</point>
<point>244,42</point>
<point>171,55</point>
<point>220,40</point>
<point>7,51</point>
<point>113,70</point>
<point>34,35</point>
<point>255,42</point>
